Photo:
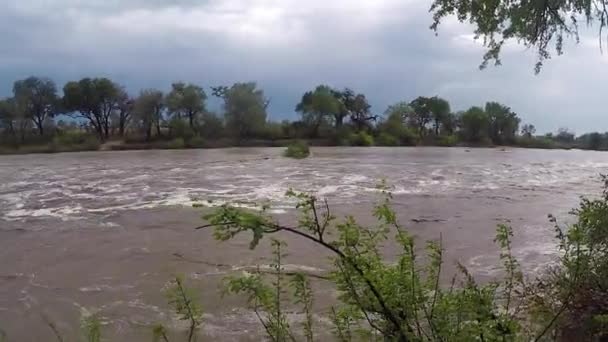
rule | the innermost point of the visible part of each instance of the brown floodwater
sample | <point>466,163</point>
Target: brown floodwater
<point>103,232</point>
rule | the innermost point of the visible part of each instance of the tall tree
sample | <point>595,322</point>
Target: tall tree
<point>95,100</point>
<point>186,100</point>
<point>244,109</point>
<point>474,124</point>
<point>317,106</point>
<point>355,106</point>
<point>504,123</point>
<point>148,109</point>
<point>8,116</point>
<point>421,114</point>
<point>124,108</point>
<point>38,99</point>
<point>394,122</point>
<point>528,130</point>
<point>440,110</point>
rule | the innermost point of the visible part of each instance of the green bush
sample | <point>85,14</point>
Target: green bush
<point>297,150</point>
<point>447,140</point>
<point>196,142</point>
<point>74,141</point>
<point>535,142</point>
<point>177,143</point>
<point>180,128</point>
<point>361,139</point>
<point>385,139</point>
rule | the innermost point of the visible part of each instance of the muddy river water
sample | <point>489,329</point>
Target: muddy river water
<point>104,232</point>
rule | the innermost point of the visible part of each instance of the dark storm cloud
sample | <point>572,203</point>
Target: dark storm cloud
<point>382,48</point>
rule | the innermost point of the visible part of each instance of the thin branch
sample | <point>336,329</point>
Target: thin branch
<point>53,327</point>
<point>438,275</point>
<point>387,311</point>
<point>358,300</point>
<point>566,302</point>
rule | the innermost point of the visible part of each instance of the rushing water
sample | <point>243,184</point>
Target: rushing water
<point>100,231</point>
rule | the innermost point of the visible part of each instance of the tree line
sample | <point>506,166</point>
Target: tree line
<point>38,112</point>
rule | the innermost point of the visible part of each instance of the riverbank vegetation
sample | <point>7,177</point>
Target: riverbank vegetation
<point>98,113</point>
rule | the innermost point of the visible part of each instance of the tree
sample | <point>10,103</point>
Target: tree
<point>528,130</point>
<point>8,116</point>
<point>353,105</point>
<point>449,123</point>
<point>186,100</point>
<point>148,109</point>
<point>211,125</point>
<point>244,108</point>
<point>533,23</point>
<point>421,115</point>
<point>394,123</point>
<point>317,106</point>
<point>564,135</point>
<point>474,124</point>
<point>440,110</point>
<point>124,108</point>
<point>504,123</point>
<point>38,99</point>
<point>345,97</point>
<point>95,100</point>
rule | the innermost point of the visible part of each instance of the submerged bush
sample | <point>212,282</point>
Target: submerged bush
<point>297,150</point>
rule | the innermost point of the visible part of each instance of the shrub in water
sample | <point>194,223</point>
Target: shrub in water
<point>298,150</point>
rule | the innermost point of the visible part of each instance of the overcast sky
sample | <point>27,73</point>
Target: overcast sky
<point>382,48</point>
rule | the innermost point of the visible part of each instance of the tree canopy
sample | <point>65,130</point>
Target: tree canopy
<point>186,100</point>
<point>536,24</point>
<point>37,99</point>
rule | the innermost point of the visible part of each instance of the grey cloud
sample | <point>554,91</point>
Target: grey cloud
<point>390,55</point>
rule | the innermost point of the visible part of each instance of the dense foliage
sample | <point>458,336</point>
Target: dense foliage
<point>100,109</point>
<point>536,24</point>
<point>298,150</point>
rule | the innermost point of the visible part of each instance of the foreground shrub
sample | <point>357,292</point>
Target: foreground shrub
<point>297,150</point>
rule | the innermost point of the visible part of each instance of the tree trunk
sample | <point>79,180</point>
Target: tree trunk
<point>149,132</point>
<point>121,127</point>
<point>40,128</point>
<point>339,120</point>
